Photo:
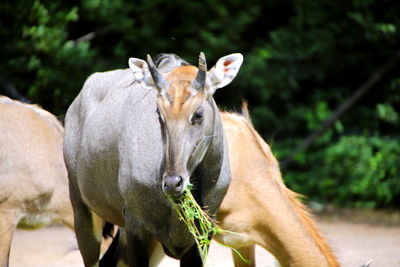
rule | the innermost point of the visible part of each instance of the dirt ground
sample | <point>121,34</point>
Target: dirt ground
<point>353,243</point>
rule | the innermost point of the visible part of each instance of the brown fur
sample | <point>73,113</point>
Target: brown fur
<point>180,79</point>
<point>261,209</point>
<point>33,177</point>
<point>180,102</point>
<point>307,219</point>
<point>301,209</point>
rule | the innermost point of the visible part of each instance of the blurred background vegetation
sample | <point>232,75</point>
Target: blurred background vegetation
<point>303,59</point>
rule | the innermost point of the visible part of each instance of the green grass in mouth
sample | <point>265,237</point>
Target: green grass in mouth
<point>198,222</point>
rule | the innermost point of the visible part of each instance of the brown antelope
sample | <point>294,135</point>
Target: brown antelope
<point>33,177</point>
<point>261,209</point>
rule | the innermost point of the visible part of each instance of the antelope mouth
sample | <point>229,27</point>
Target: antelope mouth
<point>183,196</point>
<point>174,185</point>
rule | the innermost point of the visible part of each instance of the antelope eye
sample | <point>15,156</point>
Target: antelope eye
<point>198,115</point>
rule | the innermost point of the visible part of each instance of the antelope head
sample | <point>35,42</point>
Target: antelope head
<point>186,111</point>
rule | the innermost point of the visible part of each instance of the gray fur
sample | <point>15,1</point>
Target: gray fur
<point>114,152</point>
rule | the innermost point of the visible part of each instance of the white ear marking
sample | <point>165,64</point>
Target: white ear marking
<point>224,71</point>
<point>139,69</point>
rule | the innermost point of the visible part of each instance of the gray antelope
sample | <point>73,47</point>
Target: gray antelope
<point>258,206</point>
<point>33,177</point>
<point>134,136</point>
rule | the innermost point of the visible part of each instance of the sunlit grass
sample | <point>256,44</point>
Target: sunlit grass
<point>198,222</point>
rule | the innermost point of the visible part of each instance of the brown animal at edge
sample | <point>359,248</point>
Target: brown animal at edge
<point>33,177</point>
<point>261,209</point>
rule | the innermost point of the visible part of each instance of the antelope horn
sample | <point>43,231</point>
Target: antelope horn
<point>200,80</point>
<point>161,83</point>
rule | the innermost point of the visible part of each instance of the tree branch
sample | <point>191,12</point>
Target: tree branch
<point>345,106</point>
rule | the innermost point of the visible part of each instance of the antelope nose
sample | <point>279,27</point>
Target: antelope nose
<point>173,184</point>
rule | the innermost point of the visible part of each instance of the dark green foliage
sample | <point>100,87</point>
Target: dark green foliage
<point>367,166</point>
<point>302,59</point>
<point>357,171</point>
<point>37,56</point>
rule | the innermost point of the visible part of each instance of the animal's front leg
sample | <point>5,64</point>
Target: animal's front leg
<point>7,227</point>
<point>191,258</point>
<point>88,233</point>
<point>139,244</point>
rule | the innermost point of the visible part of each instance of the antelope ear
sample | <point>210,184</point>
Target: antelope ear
<point>167,64</point>
<point>224,71</point>
<point>140,71</point>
